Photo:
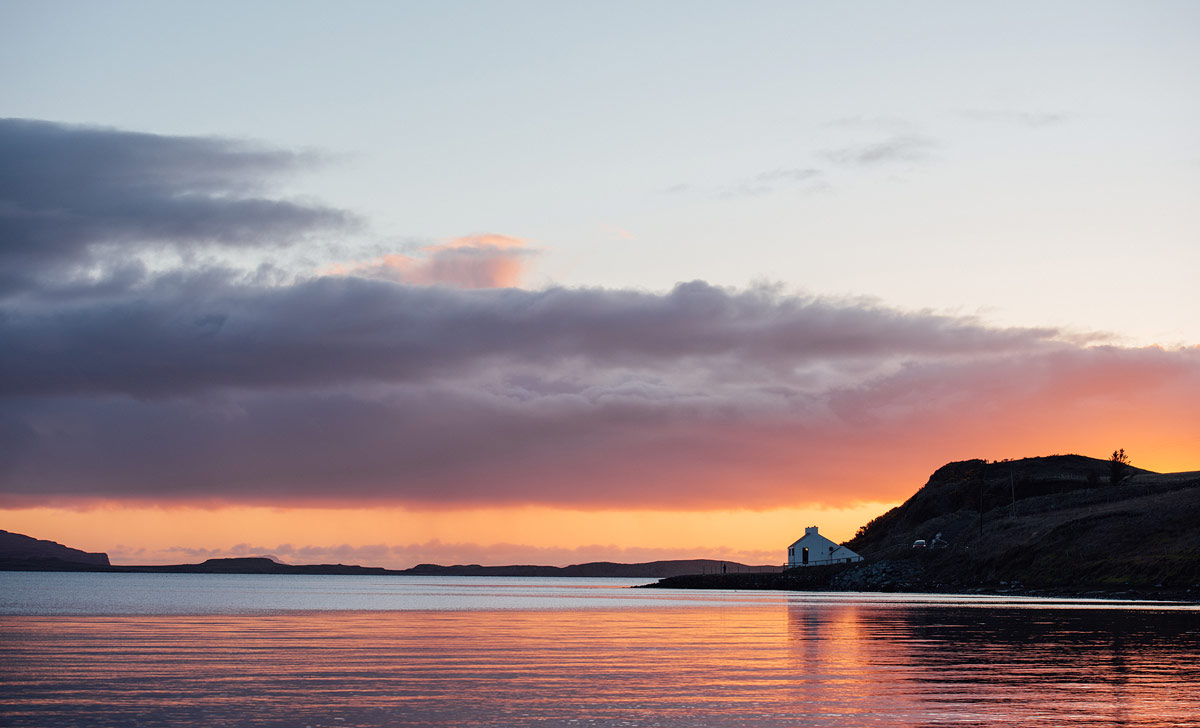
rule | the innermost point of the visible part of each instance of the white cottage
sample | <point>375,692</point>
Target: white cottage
<point>816,550</point>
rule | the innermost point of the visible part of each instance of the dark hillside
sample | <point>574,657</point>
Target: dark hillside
<point>950,502</point>
<point>1047,525</point>
<point>1066,528</point>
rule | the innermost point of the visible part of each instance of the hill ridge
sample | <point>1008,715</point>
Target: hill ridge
<point>1047,524</point>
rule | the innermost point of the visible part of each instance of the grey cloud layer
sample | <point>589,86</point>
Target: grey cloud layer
<point>65,191</point>
<point>592,441</point>
<point>184,334</point>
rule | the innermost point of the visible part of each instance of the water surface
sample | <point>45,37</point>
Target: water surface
<point>174,650</point>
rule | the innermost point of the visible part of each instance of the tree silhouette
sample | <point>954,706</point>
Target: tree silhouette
<point>1118,466</point>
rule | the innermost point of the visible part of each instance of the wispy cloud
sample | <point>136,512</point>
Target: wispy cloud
<point>788,175</point>
<point>902,148</point>
<point>892,124</point>
<point>771,180</point>
<point>1033,119</point>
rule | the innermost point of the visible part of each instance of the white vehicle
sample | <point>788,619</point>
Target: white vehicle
<point>919,543</point>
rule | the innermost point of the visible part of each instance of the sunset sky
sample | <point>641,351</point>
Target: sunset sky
<point>546,282</point>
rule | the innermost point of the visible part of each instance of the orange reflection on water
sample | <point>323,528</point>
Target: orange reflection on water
<point>769,664</point>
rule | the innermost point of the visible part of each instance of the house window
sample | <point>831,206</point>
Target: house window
<point>804,557</point>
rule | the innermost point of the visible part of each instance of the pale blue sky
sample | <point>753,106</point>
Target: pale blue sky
<point>1036,163</point>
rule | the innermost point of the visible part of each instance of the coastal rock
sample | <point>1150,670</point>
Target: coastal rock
<point>881,576</point>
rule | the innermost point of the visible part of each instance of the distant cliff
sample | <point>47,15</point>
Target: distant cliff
<point>17,551</point>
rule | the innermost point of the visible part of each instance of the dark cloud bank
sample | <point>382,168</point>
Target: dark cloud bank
<point>210,384</point>
<point>74,198</point>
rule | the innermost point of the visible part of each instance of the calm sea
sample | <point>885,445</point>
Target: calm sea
<point>206,650</point>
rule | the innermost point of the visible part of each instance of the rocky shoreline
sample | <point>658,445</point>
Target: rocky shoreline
<point>907,576</point>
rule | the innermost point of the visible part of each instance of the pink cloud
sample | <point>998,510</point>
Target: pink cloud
<point>473,261</point>
<point>617,232</point>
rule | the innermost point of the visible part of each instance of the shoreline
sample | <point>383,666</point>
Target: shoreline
<point>718,582</point>
<point>790,583</point>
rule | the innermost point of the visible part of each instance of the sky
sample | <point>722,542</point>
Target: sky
<point>542,282</point>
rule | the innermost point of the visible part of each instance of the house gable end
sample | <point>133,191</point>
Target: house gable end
<point>814,549</point>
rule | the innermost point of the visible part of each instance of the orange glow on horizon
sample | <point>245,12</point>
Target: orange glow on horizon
<point>399,538</point>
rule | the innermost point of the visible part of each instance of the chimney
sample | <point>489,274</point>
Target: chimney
<point>809,529</point>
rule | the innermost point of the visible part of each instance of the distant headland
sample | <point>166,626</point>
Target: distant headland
<point>24,553</point>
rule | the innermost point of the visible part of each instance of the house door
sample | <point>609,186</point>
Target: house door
<point>804,557</point>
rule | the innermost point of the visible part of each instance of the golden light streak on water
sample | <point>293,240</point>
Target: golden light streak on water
<point>774,662</point>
